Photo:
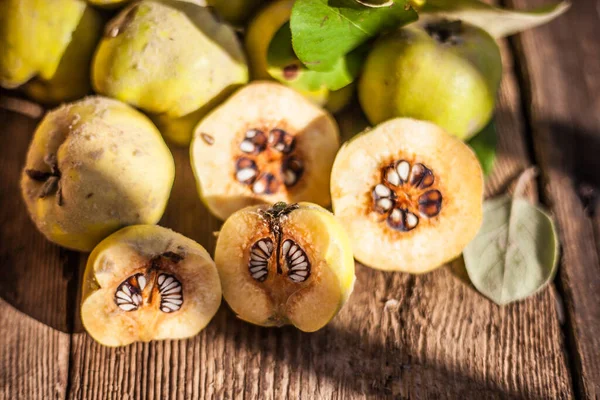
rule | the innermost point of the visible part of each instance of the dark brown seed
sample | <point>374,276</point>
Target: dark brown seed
<point>281,141</point>
<point>246,171</point>
<point>292,170</point>
<point>402,220</point>
<point>36,175</point>
<point>266,184</point>
<point>255,141</point>
<point>208,139</point>
<point>421,176</point>
<point>430,203</point>
<point>396,220</point>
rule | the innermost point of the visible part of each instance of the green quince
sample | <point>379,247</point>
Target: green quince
<point>169,58</point>
<point>48,46</point>
<point>446,72</point>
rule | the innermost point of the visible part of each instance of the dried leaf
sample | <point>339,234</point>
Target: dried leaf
<point>499,22</point>
<point>515,253</point>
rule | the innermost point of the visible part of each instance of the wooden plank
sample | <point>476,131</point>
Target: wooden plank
<point>453,334</point>
<point>36,280</point>
<point>430,336</point>
<point>34,357</point>
<point>562,64</point>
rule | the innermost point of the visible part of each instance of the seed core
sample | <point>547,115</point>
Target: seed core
<point>268,162</point>
<point>139,289</point>
<point>294,257</point>
<point>405,193</point>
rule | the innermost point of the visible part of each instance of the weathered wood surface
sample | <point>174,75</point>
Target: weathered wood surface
<point>36,279</point>
<point>400,336</point>
<point>560,65</point>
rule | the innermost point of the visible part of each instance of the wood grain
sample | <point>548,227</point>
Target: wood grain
<point>400,336</point>
<point>34,358</point>
<point>36,279</point>
<point>561,69</point>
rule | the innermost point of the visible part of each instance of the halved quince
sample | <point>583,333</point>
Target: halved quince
<point>266,143</point>
<point>145,283</point>
<point>285,264</point>
<point>409,194</point>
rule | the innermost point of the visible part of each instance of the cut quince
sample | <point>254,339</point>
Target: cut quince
<point>409,194</point>
<point>265,144</point>
<point>285,264</point>
<point>145,283</point>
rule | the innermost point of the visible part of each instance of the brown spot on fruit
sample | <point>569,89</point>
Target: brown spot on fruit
<point>208,139</point>
<point>290,72</point>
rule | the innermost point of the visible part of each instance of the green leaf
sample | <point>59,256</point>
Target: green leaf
<point>325,30</point>
<point>499,22</point>
<point>284,66</point>
<point>515,253</point>
<point>484,145</point>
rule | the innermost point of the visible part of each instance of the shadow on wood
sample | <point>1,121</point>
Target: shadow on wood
<point>37,276</point>
<point>580,160</point>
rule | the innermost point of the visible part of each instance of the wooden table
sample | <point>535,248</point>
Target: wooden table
<point>400,336</point>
